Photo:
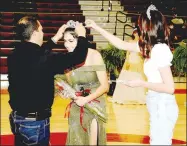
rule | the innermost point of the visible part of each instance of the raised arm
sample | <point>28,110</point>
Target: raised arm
<point>117,42</point>
<point>51,43</point>
<point>63,61</point>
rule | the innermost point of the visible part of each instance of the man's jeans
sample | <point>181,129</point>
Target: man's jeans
<point>29,131</point>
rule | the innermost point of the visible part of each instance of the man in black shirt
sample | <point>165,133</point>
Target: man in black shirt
<point>31,70</point>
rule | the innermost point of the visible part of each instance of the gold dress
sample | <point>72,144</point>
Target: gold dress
<point>132,69</point>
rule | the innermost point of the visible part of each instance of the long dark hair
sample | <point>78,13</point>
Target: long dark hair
<point>153,31</point>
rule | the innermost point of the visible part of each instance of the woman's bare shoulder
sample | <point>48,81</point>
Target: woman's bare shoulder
<point>95,53</point>
<point>95,56</point>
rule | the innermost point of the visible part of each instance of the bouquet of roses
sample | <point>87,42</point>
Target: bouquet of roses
<point>92,106</point>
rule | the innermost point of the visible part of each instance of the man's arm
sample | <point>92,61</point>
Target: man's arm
<point>51,43</point>
<point>61,61</point>
<point>48,46</point>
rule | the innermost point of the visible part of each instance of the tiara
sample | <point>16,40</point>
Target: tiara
<point>150,8</point>
<point>71,24</point>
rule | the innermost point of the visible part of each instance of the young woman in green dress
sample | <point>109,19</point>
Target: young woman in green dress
<point>85,128</point>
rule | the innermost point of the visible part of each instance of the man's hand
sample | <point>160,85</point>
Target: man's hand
<point>80,29</point>
<point>59,33</point>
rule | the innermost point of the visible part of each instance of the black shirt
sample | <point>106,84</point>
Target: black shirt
<point>31,71</point>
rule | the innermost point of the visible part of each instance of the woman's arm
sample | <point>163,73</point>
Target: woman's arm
<point>168,84</point>
<point>166,87</point>
<point>102,76</point>
<point>117,42</point>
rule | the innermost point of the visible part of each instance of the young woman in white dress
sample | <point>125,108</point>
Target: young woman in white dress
<point>154,47</point>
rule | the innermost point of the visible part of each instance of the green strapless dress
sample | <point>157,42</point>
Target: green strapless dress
<point>85,77</point>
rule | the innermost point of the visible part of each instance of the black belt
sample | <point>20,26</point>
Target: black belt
<point>40,115</point>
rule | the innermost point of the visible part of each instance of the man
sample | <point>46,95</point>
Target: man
<point>31,70</point>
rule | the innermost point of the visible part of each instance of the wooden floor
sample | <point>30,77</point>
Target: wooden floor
<point>131,120</point>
